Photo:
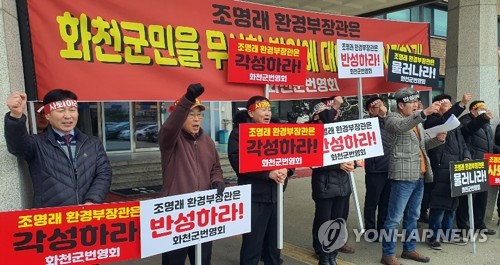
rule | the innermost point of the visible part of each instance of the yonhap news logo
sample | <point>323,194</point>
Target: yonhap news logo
<point>332,235</point>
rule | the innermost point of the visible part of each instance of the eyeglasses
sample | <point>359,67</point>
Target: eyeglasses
<point>192,115</point>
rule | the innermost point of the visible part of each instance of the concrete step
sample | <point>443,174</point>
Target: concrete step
<point>136,168</point>
<point>134,180</point>
<point>140,173</point>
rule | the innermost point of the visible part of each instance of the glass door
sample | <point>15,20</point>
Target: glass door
<point>146,125</point>
<point>116,116</point>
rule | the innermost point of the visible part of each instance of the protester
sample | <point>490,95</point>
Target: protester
<point>457,109</point>
<point>442,205</point>
<point>331,188</point>
<point>408,167</point>
<point>262,240</point>
<point>189,161</point>
<point>478,135</point>
<point>376,172</point>
<point>67,167</point>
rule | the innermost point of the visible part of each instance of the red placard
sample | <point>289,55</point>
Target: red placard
<point>493,169</point>
<point>275,146</point>
<point>262,63</point>
<point>89,234</point>
<point>107,50</point>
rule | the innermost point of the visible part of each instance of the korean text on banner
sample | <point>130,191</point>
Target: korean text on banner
<point>468,177</point>
<point>275,146</point>
<point>184,220</point>
<point>413,69</point>
<point>357,59</point>
<point>493,168</point>
<point>351,140</point>
<point>263,63</point>
<point>139,51</point>
<point>90,234</point>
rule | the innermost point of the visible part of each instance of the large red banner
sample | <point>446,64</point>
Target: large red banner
<point>111,50</point>
<point>89,234</point>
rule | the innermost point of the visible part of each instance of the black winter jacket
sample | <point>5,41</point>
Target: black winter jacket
<point>478,135</point>
<point>454,149</point>
<point>380,164</point>
<point>329,182</point>
<point>55,181</point>
<point>264,189</point>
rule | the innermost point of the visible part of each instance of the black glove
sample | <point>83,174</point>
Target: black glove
<point>220,186</point>
<point>194,91</point>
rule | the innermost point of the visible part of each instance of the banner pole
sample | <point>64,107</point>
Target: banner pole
<point>197,258</point>
<point>361,226</point>
<point>360,98</point>
<point>472,225</point>
<point>280,215</point>
<point>279,197</point>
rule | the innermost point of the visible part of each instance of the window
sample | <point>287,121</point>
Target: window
<point>440,88</point>
<point>438,18</point>
<point>401,15</point>
<point>440,22</point>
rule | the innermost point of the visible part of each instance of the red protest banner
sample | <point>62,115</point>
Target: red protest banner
<point>87,234</point>
<point>261,63</point>
<point>275,146</point>
<point>493,169</point>
<point>153,50</point>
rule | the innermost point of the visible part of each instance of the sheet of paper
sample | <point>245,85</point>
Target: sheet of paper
<point>449,125</point>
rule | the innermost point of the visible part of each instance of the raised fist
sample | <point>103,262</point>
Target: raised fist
<point>16,103</point>
<point>382,111</point>
<point>337,102</point>
<point>434,108</point>
<point>194,91</point>
<point>466,98</point>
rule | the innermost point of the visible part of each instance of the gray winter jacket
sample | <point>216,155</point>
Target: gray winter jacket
<point>55,181</point>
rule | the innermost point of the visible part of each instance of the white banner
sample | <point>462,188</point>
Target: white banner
<point>184,220</point>
<point>357,59</point>
<point>351,140</point>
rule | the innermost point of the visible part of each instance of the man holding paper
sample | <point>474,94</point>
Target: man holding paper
<point>442,205</point>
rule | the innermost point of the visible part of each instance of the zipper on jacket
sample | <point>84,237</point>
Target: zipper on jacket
<point>197,164</point>
<point>75,175</point>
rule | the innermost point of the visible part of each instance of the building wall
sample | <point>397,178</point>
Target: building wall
<point>438,49</point>
<point>15,189</point>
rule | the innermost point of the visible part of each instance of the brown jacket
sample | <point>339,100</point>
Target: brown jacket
<point>189,164</point>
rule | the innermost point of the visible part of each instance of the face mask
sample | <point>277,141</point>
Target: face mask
<point>328,115</point>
